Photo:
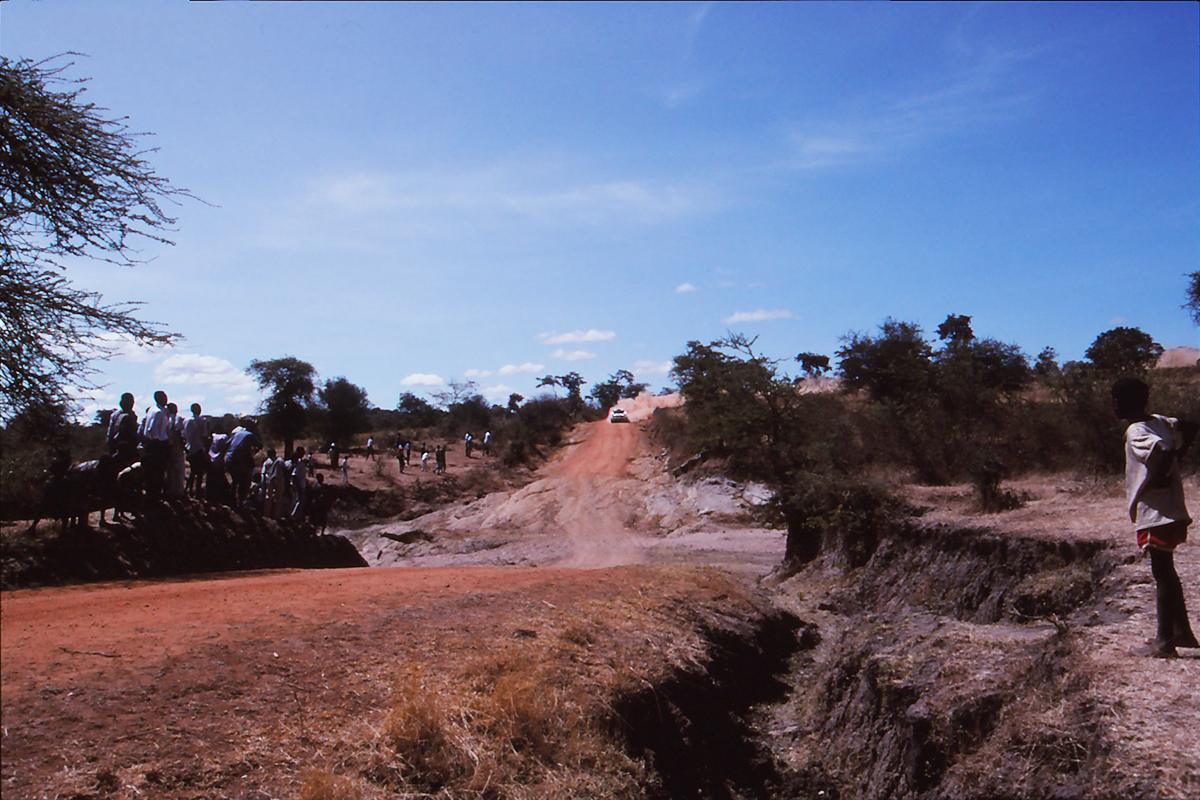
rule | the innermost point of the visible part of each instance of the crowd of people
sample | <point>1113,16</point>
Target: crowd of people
<point>179,457</point>
<point>172,456</point>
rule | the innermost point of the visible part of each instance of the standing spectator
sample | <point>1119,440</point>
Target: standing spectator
<point>333,455</point>
<point>467,443</point>
<point>1154,446</point>
<point>239,462</point>
<point>274,478</point>
<point>299,483</point>
<point>439,456</point>
<point>195,441</point>
<point>424,459</point>
<point>487,443</point>
<point>345,470</point>
<point>400,456</point>
<point>123,433</point>
<point>407,452</point>
<point>176,455</point>
<point>155,433</point>
<point>370,448</point>
<point>216,488</point>
<point>321,500</point>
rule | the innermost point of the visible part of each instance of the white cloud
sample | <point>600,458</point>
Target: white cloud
<point>196,370</point>
<point>761,315</point>
<point>685,287</point>
<point>422,379</point>
<point>478,373</point>
<point>509,369</point>
<point>576,337</point>
<point>572,355</point>
<point>497,394</point>
<point>644,367</point>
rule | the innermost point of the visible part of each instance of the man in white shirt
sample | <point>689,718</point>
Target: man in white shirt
<point>155,433</point>
<point>195,441</point>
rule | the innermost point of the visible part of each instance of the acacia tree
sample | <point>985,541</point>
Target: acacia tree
<point>620,385</point>
<point>346,407</point>
<point>75,183</point>
<point>742,408</point>
<point>290,385</point>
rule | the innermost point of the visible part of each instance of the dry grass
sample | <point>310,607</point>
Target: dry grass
<point>531,715</point>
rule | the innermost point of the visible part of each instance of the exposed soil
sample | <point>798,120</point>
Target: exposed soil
<point>973,656</point>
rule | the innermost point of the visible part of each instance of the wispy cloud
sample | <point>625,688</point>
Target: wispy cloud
<point>685,287</point>
<point>477,373</point>
<point>422,379</point>
<point>364,211</point>
<point>572,355</point>
<point>761,315</point>
<point>879,128</point>
<point>575,337</point>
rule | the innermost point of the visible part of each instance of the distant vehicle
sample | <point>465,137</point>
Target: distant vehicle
<point>618,415</point>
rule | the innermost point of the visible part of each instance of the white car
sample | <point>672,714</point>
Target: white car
<point>618,415</point>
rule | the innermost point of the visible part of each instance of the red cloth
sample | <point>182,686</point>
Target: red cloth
<point>1163,537</point>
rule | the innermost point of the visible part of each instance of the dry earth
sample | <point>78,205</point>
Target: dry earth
<point>243,685</point>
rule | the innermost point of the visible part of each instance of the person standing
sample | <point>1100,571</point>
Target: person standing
<point>400,456</point>
<point>439,459</point>
<point>123,433</point>
<point>1154,446</point>
<point>370,448</point>
<point>176,484</point>
<point>299,483</point>
<point>345,470</point>
<point>155,433</point>
<point>487,443</point>
<point>195,442</point>
<point>239,462</point>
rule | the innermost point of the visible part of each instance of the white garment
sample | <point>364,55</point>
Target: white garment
<point>157,425</point>
<point>1146,445</point>
<point>195,433</point>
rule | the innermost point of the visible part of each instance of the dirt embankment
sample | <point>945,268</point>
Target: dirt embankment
<point>183,537</point>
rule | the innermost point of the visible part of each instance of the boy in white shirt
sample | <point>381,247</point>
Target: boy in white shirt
<point>1154,446</point>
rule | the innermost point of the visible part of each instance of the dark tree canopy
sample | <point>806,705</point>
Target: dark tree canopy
<point>813,364</point>
<point>1124,350</point>
<point>74,184</point>
<point>417,412</point>
<point>346,406</point>
<point>894,366</point>
<point>620,385</point>
<point>290,385</point>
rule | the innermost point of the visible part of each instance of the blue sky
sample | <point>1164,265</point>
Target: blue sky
<point>404,194</point>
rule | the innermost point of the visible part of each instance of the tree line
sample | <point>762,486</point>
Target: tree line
<point>958,407</point>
